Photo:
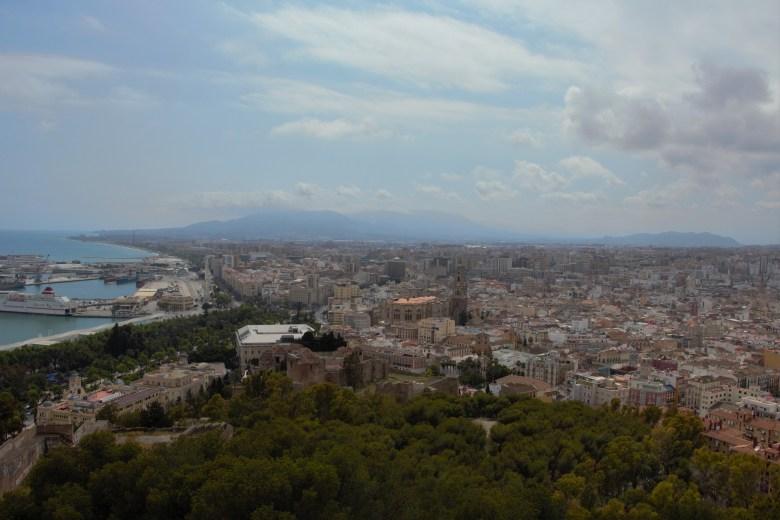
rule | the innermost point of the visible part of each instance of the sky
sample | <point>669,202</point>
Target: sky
<point>553,118</point>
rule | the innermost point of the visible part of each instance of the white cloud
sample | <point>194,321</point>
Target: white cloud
<point>770,182</point>
<point>44,82</point>
<point>436,192</point>
<point>93,24</point>
<point>683,193</point>
<point>581,166</point>
<point>234,199</point>
<point>350,191</point>
<point>623,39</point>
<point>533,176</point>
<point>628,121</point>
<point>306,190</point>
<point>451,177</point>
<point>47,125</point>
<point>494,190</point>
<point>577,197</point>
<point>728,126</point>
<point>298,97</point>
<point>769,188</point>
<point>330,129</point>
<point>525,137</point>
<point>413,47</point>
<point>127,97</point>
<point>484,173</point>
<point>771,201</point>
<point>243,52</point>
<point>35,81</point>
<point>383,195</point>
<point>662,196</point>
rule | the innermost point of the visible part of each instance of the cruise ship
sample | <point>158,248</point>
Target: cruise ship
<point>45,303</point>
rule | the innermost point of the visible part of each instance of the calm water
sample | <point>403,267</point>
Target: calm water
<point>19,327</point>
<point>60,248</point>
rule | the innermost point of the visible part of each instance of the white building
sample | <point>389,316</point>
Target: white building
<point>596,390</point>
<point>252,340</point>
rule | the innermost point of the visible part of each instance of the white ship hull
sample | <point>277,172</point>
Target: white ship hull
<point>46,304</point>
<point>36,310</point>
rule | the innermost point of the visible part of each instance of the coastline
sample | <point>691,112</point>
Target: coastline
<point>63,337</point>
<point>128,253</point>
<point>149,252</point>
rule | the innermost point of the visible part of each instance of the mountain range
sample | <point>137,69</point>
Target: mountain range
<point>289,224</point>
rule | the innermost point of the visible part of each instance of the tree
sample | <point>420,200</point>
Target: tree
<point>71,501</point>
<point>433,371</point>
<point>471,373</point>
<point>215,408</point>
<point>11,415</point>
<point>107,413</point>
<point>154,416</point>
<point>745,472</point>
<point>651,415</point>
<point>675,439</point>
<point>328,452</point>
<point>222,300</point>
<point>495,370</point>
<point>352,369</point>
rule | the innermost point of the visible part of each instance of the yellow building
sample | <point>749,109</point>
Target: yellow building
<point>771,358</point>
<point>434,330</point>
<point>346,291</point>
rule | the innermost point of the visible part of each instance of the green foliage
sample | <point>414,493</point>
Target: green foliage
<point>216,408</point>
<point>471,373</point>
<point>494,371</point>
<point>328,342</point>
<point>222,300</point>
<point>325,452</point>
<point>11,415</point>
<point>154,416</point>
<point>23,371</point>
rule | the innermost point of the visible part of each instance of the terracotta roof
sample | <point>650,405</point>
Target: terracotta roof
<point>415,301</point>
<point>536,384</point>
<point>729,436</point>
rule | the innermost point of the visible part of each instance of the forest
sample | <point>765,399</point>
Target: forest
<point>327,452</point>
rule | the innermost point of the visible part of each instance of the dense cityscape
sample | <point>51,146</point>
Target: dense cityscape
<point>653,335</point>
<point>495,259</point>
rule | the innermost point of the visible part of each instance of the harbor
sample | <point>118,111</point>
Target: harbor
<point>44,297</point>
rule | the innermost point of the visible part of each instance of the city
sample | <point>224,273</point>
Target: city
<point>496,259</point>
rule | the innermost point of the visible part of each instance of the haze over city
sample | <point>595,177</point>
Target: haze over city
<point>548,118</point>
<point>487,259</point>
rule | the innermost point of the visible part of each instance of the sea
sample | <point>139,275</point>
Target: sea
<point>58,247</point>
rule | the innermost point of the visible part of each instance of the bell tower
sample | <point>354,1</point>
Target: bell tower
<point>459,301</point>
<point>74,385</point>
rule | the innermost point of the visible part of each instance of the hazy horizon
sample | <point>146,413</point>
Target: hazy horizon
<point>548,119</point>
<point>512,236</point>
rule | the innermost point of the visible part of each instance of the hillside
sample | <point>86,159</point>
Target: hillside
<point>420,226</point>
<point>325,452</point>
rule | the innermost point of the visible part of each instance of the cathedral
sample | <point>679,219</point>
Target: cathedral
<point>459,301</point>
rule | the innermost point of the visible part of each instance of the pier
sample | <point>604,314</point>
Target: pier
<point>64,279</point>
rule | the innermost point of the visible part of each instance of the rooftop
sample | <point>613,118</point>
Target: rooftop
<point>269,334</point>
<point>415,301</point>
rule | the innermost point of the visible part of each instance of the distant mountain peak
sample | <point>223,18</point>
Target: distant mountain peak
<point>673,239</point>
<point>418,226</point>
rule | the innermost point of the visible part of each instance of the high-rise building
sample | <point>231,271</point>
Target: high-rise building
<point>500,264</point>
<point>459,301</point>
<point>396,270</point>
